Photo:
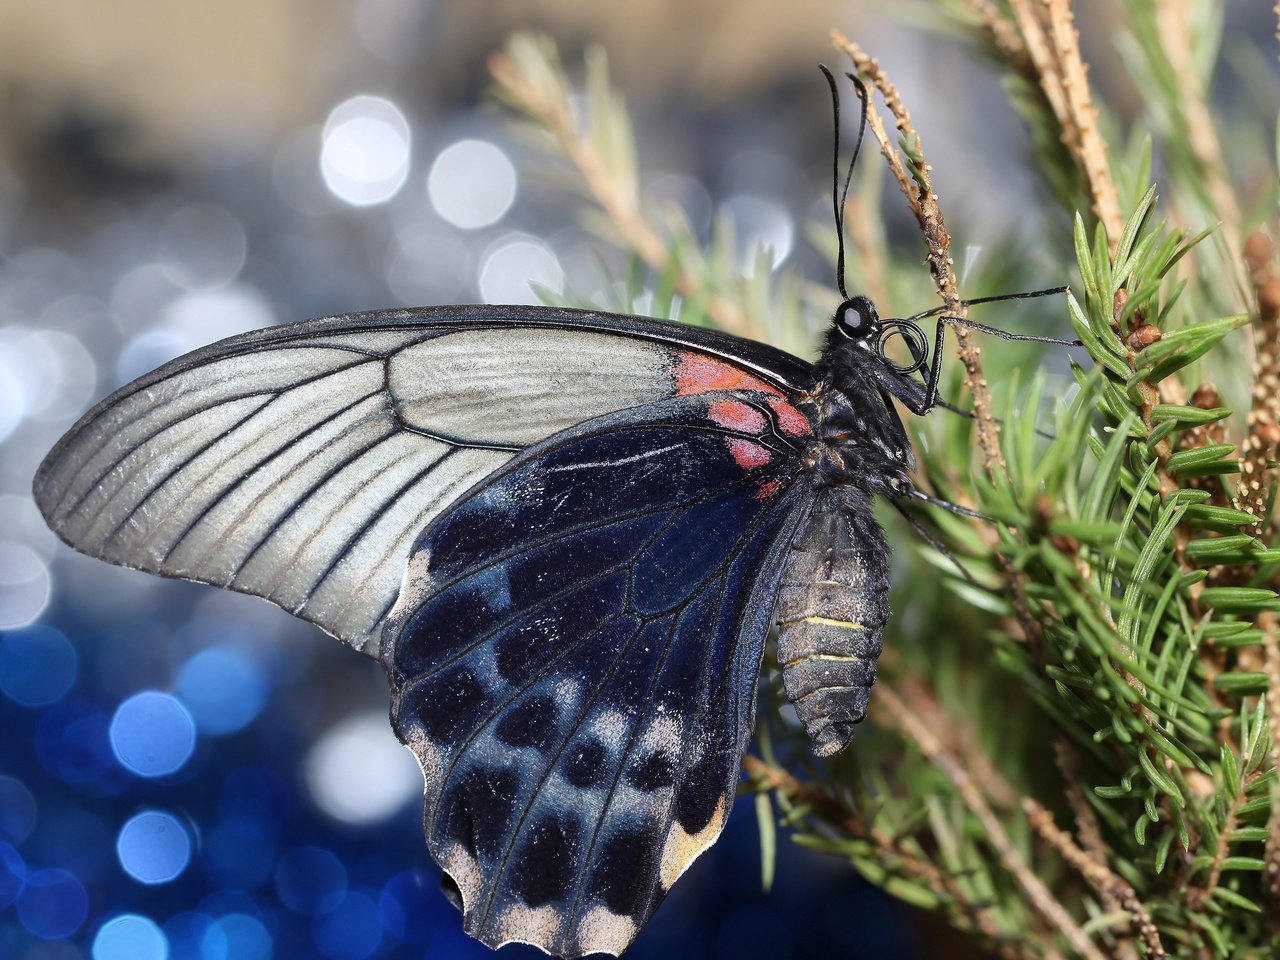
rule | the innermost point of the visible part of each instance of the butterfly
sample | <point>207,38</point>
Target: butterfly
<point>564,534</point>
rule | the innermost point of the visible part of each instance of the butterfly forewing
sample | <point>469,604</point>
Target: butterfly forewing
<point>299,463</point>
<point>574,661</point>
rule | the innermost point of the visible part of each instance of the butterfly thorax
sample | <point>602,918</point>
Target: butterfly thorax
<point>858,439</point>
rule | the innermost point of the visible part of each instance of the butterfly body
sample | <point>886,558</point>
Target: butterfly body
<point>564,535</point>
<point>832,607</point>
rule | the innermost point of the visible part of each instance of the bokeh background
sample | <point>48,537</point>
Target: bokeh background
<point>187,773</point>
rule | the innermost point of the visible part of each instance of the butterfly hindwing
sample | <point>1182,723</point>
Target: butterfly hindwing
<point>299,463</point>
<point>574,658</point>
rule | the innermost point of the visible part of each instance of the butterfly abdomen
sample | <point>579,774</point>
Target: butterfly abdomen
<point>833,603</point>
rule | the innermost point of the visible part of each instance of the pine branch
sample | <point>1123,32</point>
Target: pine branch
<point>915,181</point>
<point>1271,659</point>
<point>1263,423</point>
<point>1036,892</point>
<point>1134,639</point>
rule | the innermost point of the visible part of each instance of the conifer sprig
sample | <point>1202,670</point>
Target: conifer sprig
<point>1080,761</point>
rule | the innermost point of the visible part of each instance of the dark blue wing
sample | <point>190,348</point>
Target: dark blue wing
<point>573,659</point>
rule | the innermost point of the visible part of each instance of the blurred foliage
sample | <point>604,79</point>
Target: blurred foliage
<point>1070,751</point>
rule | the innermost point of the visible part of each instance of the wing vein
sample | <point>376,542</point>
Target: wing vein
<point>173,471</point>
<point>550,766</point>
<point>498,558</point>
<point>704,705</point>
<point>416,522</point>
<point>378,513</point>
<point>273,528</point>
<point>519,691</point>
<point>254,468</point>
<point>584,862</point>
<point>172,423</point>
<point>516,615</point>
<point>688,742</point>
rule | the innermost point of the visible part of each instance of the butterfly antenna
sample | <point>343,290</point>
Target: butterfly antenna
<point>937,544</point>
<point>950,507</point>
<point>840,192</point>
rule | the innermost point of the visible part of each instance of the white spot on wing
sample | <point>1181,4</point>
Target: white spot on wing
<point>681,848</point>
<point>416,582</point>
<point>568,690</point>
<point>603,931</point>
<point>663,732</point>
<point>611,727</point>
<point>465,871</point>
<point>537,926</point>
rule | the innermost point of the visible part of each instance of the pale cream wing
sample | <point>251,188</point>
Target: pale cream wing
<point>300,463</point>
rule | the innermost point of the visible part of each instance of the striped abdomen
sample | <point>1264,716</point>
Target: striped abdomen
<point>831,610</point>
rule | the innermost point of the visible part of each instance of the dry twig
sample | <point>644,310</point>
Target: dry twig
<point>1263,421</point>
<point>1003,34</point>
<point>917,186</point>
<point>1037,894</point>
<point>1053,44</point>
<point>1198,124</point>
<point>1088,829</point>
<point>1271,664</point>
<point>1099,876</point>
<point>849,822</point>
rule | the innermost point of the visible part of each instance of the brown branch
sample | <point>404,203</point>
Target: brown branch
<point>1004,35</point>
<point>1053,44</point>
<point>829,808</point>
<point>850,823</point>
<point>916,184</point>
<point>1263,421</point>
<point>1271,664</point>
<point>958,738</point>
<point>549,106</point>
<point>1198,126</point>
<point>1089,830</point>
<point>1108,885</point>
<point>1037,894</point>
<point>1036,43</point>
<point>1091,149</point>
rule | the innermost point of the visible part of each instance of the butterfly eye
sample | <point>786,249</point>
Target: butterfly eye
<point>857,319</point>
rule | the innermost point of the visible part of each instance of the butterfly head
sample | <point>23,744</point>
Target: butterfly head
<point>856,319</point>
<point>858,323</point>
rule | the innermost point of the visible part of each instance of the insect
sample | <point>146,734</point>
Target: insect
<point>564,534</point>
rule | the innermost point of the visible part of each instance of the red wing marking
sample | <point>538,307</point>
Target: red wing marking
<point>699,373</point>
<point>768,489</point>
<point>737,415</point>
<point>790,419</point>
<point>747,454</point>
